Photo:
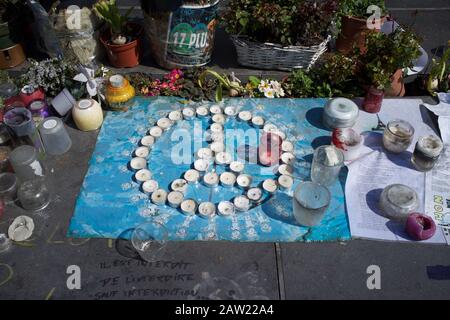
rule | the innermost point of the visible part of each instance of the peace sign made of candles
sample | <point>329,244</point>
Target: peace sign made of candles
<point>214,153</point>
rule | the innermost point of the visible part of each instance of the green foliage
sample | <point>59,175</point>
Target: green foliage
<point>286,22</point>
<point>358,8</point>
<point>385,55</point>
<point>108,11</point>
<point>440,73</point>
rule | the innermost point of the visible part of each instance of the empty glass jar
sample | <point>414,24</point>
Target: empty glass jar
<point>8,187</point>
<point>34,195</point>
<point>310,203</point>
<point>397,136</point>
<point>326,165</point>
<point>150,240</point>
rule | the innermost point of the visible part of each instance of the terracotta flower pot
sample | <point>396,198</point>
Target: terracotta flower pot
<point>397,88</point>
<point>353,31</point>
<point>124,55</point>
<point>12,56</point>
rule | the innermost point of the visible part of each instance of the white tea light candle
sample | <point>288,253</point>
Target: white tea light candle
<point>155,132</point>
<point>244,181</point>
<point>188,113</point>
<point>201,165</point>
<point>207,210</point>
<point>202,111</point>
<point>188,206</point>
<point>211,179</point>
<point>179,185</point>
<point>270,185</point>
<point>219,118</point>
<point>143,175</point>
<point>142,152</point>
<point>223,158</point>
<point>258,121</point>
<point>225,208</point>
<point>254,194</point>
<point>191,176</point>
<point>287,146</point>
<point>285,169</point>
<point>215,109</point>
<point>175,198</point>
<point>231,111</point>
<point>150,186</point>
<point>175,115</point>
<point>217,146</point>
<point>216,127</point>
<point>227,179</point>
<point>138,163</point>
<point>241,203</point>
<point>287,158</point>
<point>159,197</point>
<point>245,116</point>
<point>285,182</point>
<point>237,166</point>
<point>164,123</point>
<point>147,141</point>
<point>204,153</point>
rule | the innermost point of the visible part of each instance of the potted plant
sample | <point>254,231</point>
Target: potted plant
<point>439,78</point>
<point>123,38</point>
<point>279,34</point>
<point>11,51</point>
<point>352,20</point>
<point>381,65</point>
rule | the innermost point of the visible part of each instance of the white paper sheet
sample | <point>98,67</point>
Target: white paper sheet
<point>376,169</point>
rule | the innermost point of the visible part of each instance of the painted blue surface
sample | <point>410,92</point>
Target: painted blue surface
<point>110,203</point>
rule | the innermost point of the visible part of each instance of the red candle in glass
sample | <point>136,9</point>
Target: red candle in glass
<point>372,101</point>
<point>269,149</point>
<point>28,94</point>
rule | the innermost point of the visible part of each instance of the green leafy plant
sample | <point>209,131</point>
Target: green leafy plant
<point>285,22</point>
<point>108,11</point>
<point>439,77</point>
<point>385,55</point>
<point>358,8</point>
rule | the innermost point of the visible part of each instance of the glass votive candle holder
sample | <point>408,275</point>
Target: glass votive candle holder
<point>8,187</point>
<point>397,201</point>
<point>349,141</point>
<point>326,165</point>
<point>24,160</point>
<point>150,240</point>
<point>310,202</point>
<point>427,152</point>
<point>33,195</point>
<point>397,136</point>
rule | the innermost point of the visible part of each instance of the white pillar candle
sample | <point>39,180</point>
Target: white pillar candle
<point>175,115</point>
<point>207,210</point>
<point>188,206</point>
<point>269,185</point>
<point>148,141</point>
<point>225,208</point>
<point>159,197</point>
<point>285,169</point>
<point>287,157</point>
<point>270,127</point>
<point>138,163</point>
<point>244,181</point>
<point>179,185</point>
<point>201,165</point>
<point>223,158</point>
<point>287,146</point>
<point>217,146</point>
<point>142,152</point>
<point>204,153</point>
<point>254,194</point>
<point>285,182</point>
<point>219,118</point>
<point>241,203</point>
<point>188,113</point>
<point>258,121</point>
<point>215,109</point>
<point>211,179</point>
<point>164,123</point>
<point>227,179</point>
<point>150,186</point>
<point>216,127</point>
<point>237,166</point>
<point>245,116</point>
<point>143,175</point>
<point>202,111</point>
<point>191,176</point>
<point>230,111</point>
<point>155,132</point>
<point>174,198</point>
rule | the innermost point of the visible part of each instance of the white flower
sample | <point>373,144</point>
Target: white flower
<point>263,86</point>
<point>280,92</point>
<point>269,93</point>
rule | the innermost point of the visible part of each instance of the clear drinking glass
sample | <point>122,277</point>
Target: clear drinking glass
<point>8,187</point>
<point>326,165</point>
<point>33,194</point>
<point>398,136</point>
<point>310,202</point>
<point>150,240</point>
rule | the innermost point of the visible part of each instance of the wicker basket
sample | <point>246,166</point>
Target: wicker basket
<point>274,56</point>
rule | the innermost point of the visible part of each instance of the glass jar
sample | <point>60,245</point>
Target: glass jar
<point>25,163</point>
<point>310,203</point>
<point>269,150</point>
<point>397,201</point>
<point>119,92</point>
<point>326,165</point>
<point>373,100</point>
<point>340,113</point>
<point>39,110</point>
<point>33,195</point>
<point>150,240</point>
<point>427,152</point>
<point>397,136</point>
<point>8,187</point>
<point>87,114</point>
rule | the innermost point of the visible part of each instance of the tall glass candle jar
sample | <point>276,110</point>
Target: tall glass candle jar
<point>20,121</point>
<point>427,152</point>
<point>87,114</point>
<point>39,110</point>
<point>326,165</point>
<point>269,150</point>
<point>33,195</point>
<point>25,163</point>
<point>54,136</point>
<point>397,136</point>
<point>118,92</point>
<point>373,100</point>
<point>310,203</point>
